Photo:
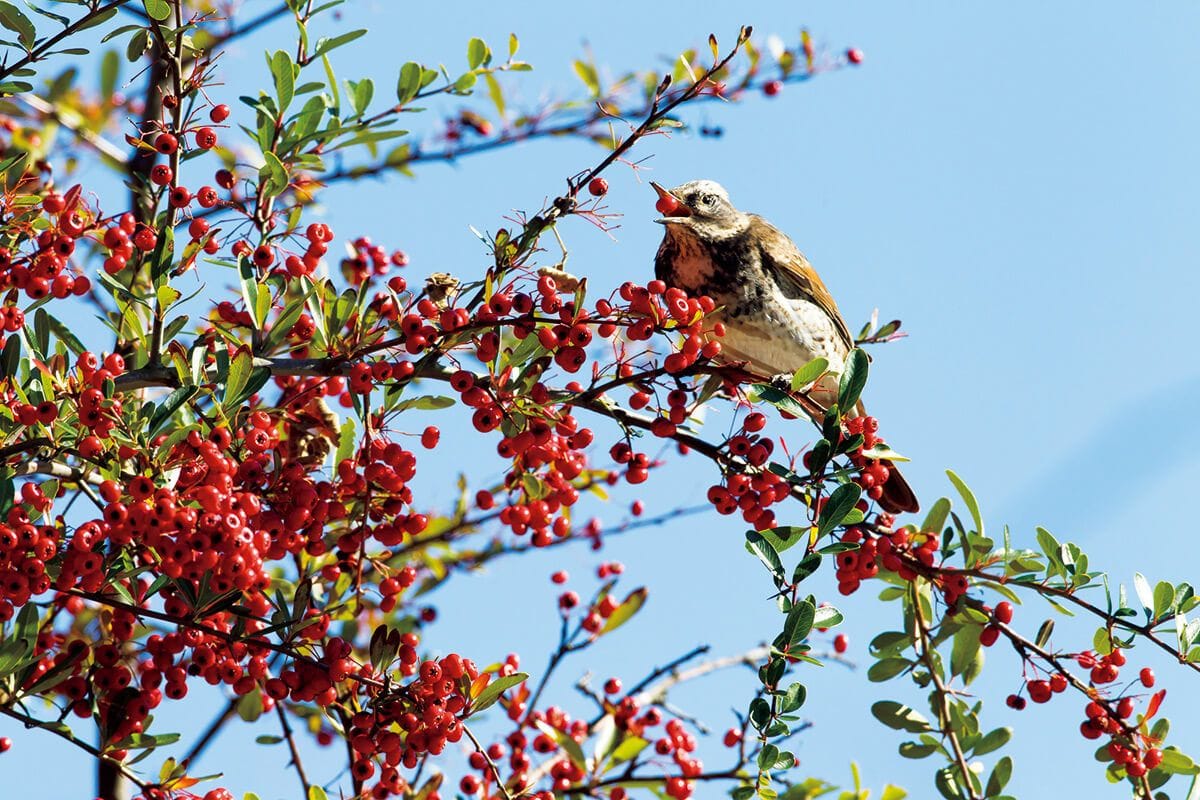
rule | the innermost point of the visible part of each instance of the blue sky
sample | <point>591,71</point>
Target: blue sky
<point>1016,182</point>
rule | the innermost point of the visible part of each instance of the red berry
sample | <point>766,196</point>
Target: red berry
<point>166,143</point>
<point>5,744</point>
<point>1146,676</point>
<point>772,88</point>
<point>598,187</point>
<point>206,138</point>
<point>732,737</point>
<point>1039,691</point>
<point>219,113</point>
<point>666,205</point>
<point>854,55</point>
<point>840,643</point>
<point>612,686</point>
<point>559,577</point>
<point>429,437</point>
<point>1003,612</point>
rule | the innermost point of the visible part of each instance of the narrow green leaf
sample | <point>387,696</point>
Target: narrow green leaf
<point>969,499</point>
<point>999,777</point>
<point>1144,592</point>
<point>491,693</point>
<point>632,603</point>
<point>854,378</point>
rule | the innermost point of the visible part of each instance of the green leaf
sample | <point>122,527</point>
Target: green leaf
<point>914,750</point>
<point>1144,592</point>
<point>159,10</point>
<point>173,402</point>
<point>899,716</point>
<point>993,741</point>
<point>491,693</point>
<point>1176,762</point>
<point>239,375</point>
<point>138,44</point>
<point>784,537</point>
<point>466,82</point>
<point>629,749</point>
<point>347,441</point>
<point>11,357</point>
<point>15,20</point>
<point>273,175</point>
<point>854,378</point>
<point>250,706</point>
<point>409,83</point>
<point>566,742</point>
<point>478,53</point>
<point>799,623</point>
<point>827,617</point>
<point>887,668</point>
<point>966,648</point>
<point>1164,598</point>
<point>809,373</point>
<point>325,45</point>
<point>840,503</point>
<point>935,520</point>
<point>760,547</point>
<point>969,499</point>
<point>999,777</point>
<point>632,603</point>
<point>317,793</point>
<point>283,71</point>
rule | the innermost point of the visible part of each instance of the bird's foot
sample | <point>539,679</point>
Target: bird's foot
<point>782,382</point>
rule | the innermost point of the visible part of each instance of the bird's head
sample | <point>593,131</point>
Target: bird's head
<point>701,208</point>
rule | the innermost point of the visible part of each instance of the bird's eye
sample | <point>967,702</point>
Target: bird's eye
<point>708,200</point>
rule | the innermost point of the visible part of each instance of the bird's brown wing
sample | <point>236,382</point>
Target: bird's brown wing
<point>797,278</point>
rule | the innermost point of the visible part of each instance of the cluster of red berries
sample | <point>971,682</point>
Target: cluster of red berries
<point>428,710</point>
<point>873,474</point>
<point>367,260</point>
<point>751,494</point>
<point>43,273</point>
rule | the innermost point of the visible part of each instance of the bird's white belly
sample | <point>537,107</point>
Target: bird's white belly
<point>782,339</point>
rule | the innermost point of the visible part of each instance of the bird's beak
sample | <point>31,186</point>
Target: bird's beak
<point>670,206</point>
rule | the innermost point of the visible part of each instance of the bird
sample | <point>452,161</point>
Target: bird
<point>777,314</point>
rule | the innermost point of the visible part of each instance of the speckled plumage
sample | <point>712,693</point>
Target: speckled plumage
<point>778,315</point>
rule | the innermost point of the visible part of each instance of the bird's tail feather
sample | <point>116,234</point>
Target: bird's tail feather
<point>898,496</point>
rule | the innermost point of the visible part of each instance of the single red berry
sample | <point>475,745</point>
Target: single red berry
<point>161,174</point>
<point>1146,676</point>
<point>5,744</point>
<point>430,437</point>
<point>841,643</point>
<point>612,686</point>
<point>666,205</point>
<point>1003,612</point>
<point>732,737</point>
<point>166,143</point>
<point>772,88</point>
<point>598,187</point>
<point>854,55</point>
<point>559,577</point>
<point>206,138</point>
<point>219,113</point>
